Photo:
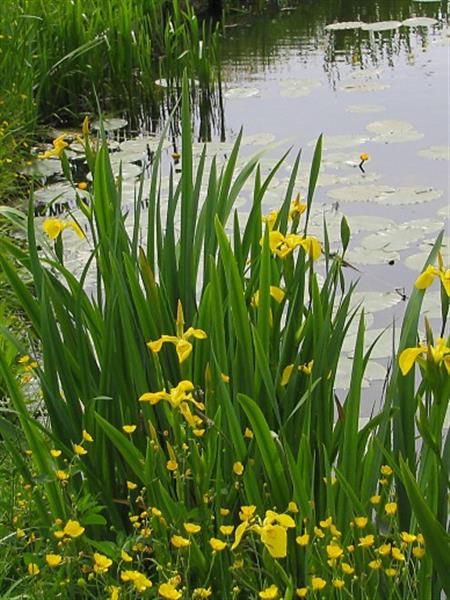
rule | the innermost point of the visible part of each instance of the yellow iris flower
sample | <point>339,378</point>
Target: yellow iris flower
<point>426,278</point>
<point>179,398</point>
<point>440,353</point>
<point>54,227</point>
<point>272,531</point>
<point>182,346</point>
<point>283,246</point>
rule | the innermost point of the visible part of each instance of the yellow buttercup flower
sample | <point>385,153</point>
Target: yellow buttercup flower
<point>79,450</point>
<point>54,227</point>
<point>375,564</point>
<point>129,428</point>
<point>33,569</point>
<point>364,156</point>
<point>62,475</point>
<point>270,593</point>
<point>366,541</point>
<point>73,529</point>
<point>334,551</point>
<point>101,563</point>
<point>397,555</point>
<point>225,511</point>
<point>140,582</point>
<point>247,512</point>
<point>326,523</point>
<point>408,538</point>
<point>202,592</point>
<point>338,583</point>
<point>301,592</point>
<point>87,437</point>
<point>317,583</point>
<point>53,560</point>
<point>182,346</point>
<point>391,572</point>
<point>386,470</point>
<point>375,499</point>
<point>226,529</point>
<point>302,540</point>
<point>361,522</point>
<point>292,507</point>
<point>347,569</point>
<point>113,591</point>
<point>391,508</point>
<point>238,468</point>
<point>192,528</point>
<point>418,551</point>
<point>384,549</point>
<point>179,541</point>
<point>217,545</point>
<point>55,453</point>
<point>169,591</point>
<point>131,485</point>
<point>248,433</point>
<point>125,556</point>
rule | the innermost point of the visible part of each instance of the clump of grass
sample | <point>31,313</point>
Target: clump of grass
<point>190,417</point>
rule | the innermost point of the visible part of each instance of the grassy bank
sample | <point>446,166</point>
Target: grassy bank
<point>184,439</point>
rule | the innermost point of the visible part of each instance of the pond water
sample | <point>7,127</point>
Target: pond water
<point>376,81</point>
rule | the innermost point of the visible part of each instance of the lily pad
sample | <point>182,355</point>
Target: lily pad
<point>335,142</point>
<point>415,262</point>
<point>374,372</point>
<point>381,26</point>
<point>364,86</point>
<point>363,256</point>
<point>420,22</point>
<point>110,124</point>
<point>384,194</point>
<point>258,139</point>
<point>366,74</point>
<point>383,347</point>
<point>444,212</point>
<point>390,131</point>
<point>374,301</point>
<point>344,25</point>
<point>298,88</point>
<point>361,109</point>
<point>436,152</point>
<point>241,92</point>
<point>43,168</point>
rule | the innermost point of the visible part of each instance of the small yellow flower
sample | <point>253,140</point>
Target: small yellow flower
<point>318,532</point>
<point>192,528</point>
<point>364,156</point>
<point>169,591</point>
<point>391,572</point>
<point>53,560</point>
<point>247,512</point>
<point>217,545</point>
<point>226,529</point>
<point>391,508</point>
<point>179,541</point>
<point>301,592</point>
<point>270,593</point>
<point>302,540</point>
<point>238,468</point>
<point>248,433</point>
<point>131,485</point>
<point>20,533</point>
<point>172,465</point>
<point>347,569</point>
<point>338,583</point>
<point>199,432</point>
<point>361,522</point>
<point>125,556</point>
<point>224,512</point>
<point>202,592</point>
<point>101,563</point>
<point>73,529</point>
<point>54,227</point>
<point>375,499</point>
<point>61,475</point>
<point>375,564</point>
<point>334,551</point>
<point>113,591</point>
<point>23,360</point>
<point>55,453</point>
<point>418,551</point>
<point>129,428</point>
<point>87,437</point>
<point>408,538</point>
<point>79,450</point>
<point>317,583</point>
<point>366,541</point>
<point>140,582</point>
<point>397,555</point>
<point>386,470</point>
<point>292,507</point>
<point>325,524</point>
<point>384,549</point>
<point>33,569</point>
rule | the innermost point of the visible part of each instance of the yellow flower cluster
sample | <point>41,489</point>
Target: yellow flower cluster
<point>58,147</point>
<point>284,245</point>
